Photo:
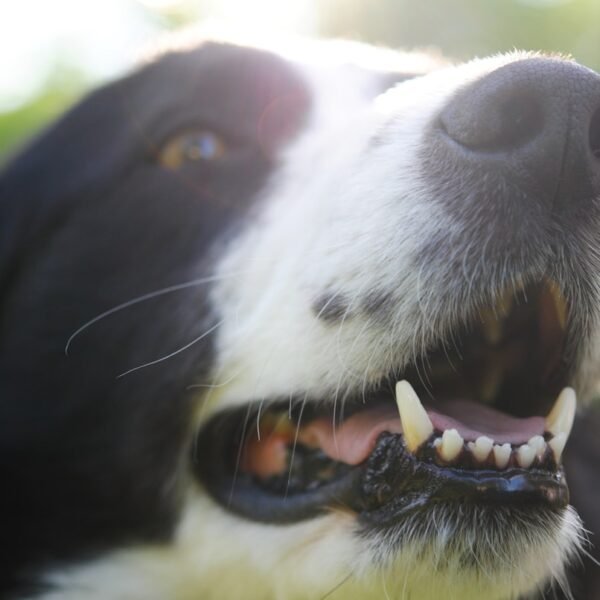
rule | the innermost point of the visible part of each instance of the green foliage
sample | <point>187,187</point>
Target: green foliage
<point>17,125</point>
<point>467,28</point>
<point>459,28</point>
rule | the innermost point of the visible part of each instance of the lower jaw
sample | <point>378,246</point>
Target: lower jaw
<point>390,486</point>
<point>400,472</point>
<point>426,527</point>
<point>445,531</point>
<point>396,485</point>
<point>469,552</point>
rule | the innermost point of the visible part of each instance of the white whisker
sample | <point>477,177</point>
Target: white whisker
<point>174,353</point>
<point>287,485</point>
<point>239,455</point>
<point>213,386</point>
<point>144,298</point>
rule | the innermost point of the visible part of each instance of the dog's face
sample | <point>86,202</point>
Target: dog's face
<point>215,271</point>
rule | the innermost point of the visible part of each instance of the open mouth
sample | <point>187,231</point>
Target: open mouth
<point>483,419</point>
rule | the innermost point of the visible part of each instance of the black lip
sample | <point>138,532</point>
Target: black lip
<point>395,483</point>
<point>392,483</point>
<point>387,487</point>
<point>218,445</point>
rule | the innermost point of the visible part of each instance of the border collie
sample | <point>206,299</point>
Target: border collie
<point>305,324</point>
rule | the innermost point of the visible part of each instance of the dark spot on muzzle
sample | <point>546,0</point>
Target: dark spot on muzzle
<point>331,308</point>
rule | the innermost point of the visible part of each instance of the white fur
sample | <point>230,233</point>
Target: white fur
<point>218,556</point>
<point>352,225</point>
<point>345,215</point>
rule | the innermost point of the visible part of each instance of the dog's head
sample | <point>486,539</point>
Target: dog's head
<point>215,271</point>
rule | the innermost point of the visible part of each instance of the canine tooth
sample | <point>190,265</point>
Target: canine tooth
<point>538,443</point>
<point>557,445</point>
<point>560,419</point>
<point>416,424</point>
<point>525,455</point>
<point>502,455</point>
<point>451,445</point>
<point>482,447</point>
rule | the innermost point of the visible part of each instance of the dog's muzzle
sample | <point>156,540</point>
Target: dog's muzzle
<point>484,416</point>
<point>533,126</point>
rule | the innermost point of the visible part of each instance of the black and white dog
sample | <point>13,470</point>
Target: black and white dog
<point>215,271</point>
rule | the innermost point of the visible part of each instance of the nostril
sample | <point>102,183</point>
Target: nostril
<point>532,125</point>
<point>496,119</point>
<point>595,134</point>
<point>520,119</point>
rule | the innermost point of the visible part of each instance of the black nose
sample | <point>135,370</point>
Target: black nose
<point>537,122</point>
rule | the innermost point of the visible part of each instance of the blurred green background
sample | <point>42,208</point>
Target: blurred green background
<point>53,50</point>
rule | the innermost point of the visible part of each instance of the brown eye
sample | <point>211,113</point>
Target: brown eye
<point>191,146</point>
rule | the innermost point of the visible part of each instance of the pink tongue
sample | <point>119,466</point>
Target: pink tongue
<point>353,440</point>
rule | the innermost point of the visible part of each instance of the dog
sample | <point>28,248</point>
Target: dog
<point>305,322</point>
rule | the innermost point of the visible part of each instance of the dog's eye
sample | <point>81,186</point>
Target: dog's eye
<point>191,146</point>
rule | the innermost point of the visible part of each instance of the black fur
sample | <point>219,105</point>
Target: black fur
<point>89,220</point>
<point>91,461</point>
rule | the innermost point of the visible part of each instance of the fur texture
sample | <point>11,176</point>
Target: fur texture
<point>315,258</point>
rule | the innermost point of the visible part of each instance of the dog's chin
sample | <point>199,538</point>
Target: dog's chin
<point>446,553</point>
<point>455,551</point>
<point>451,488</point>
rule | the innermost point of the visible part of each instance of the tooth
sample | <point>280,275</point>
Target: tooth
<point>560,419</point>
<point>525,455</point>
<point>557,445</point>
<point>502,455</point>
<point>451,446</point>
<point>416,424</point>
<point>482,447</point>
<point>538,443</point>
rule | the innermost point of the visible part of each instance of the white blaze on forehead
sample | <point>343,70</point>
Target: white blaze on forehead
<point>292,252</point>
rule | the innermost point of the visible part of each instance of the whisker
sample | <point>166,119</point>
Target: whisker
<point>239,455</point>
<point>337,587</point>
<point>206,402</point>
<point>144,298</point>
<point>258,415</point>
<point>385,590</point>
<point>326,305</point>
<point>333,415</point>
<point>213,386</point>
<point>174,353</point>
<point>345,369</point>
<point>287,486</point>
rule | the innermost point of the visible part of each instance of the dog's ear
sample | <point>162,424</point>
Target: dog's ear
<point>84,151</point>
